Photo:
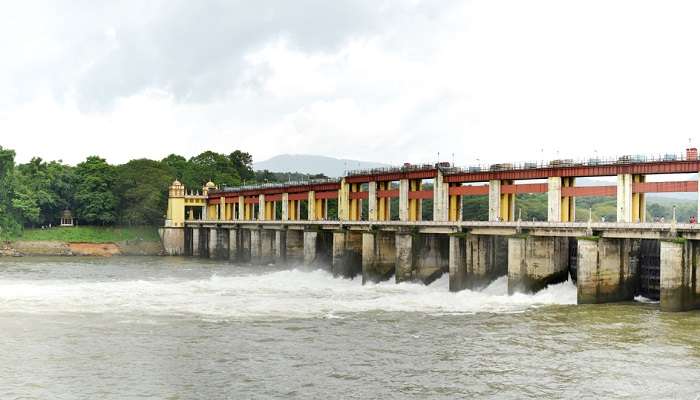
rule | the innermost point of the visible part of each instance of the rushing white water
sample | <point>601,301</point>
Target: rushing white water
<point>168,327</point>
<point>291,293</point>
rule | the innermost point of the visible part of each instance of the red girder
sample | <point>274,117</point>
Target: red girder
<point>524,188</point>
<point>299,196</point>
<point>479,190</point>
<point>421,194</point>
<point>358,195</point>
<point>388,193</point>
<point>660,187</point>
<point>327,195</point>
<point>647,168</point>
<point>392,176</point>
<point>589,191</point>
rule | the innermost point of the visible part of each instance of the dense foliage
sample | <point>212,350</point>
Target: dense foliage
<point>34,194</point>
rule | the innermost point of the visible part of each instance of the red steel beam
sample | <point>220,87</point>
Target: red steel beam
<point>589,191</point>
<point>252,200</point>
<point>479,190</point>
<point>524,188</point>
<point>388,193</point>
<point>299,196</point>
<point>421,194</point>
<point>645,168</point>
<point>327,195</point>
<point>392,176</point>
<point>665,187</point>
<point>273,197</point>
<point>359,195</point>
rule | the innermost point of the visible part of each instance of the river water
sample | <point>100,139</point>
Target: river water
<point>175,328</point>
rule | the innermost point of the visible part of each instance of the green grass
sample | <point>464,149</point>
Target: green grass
<point>90,234</point>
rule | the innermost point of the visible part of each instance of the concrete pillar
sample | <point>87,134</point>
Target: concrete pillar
<point>195,242</point>
<point>404,257</point>
<point>607,270</point>
<point>679,271</point>
<point>310,247</point>
<point>294,246</point>
<point>378,256</point>
<point>213,242</point>
<point>255,245</point>
<point>311,206</point>
<point>234,245</point>
<point>421,257</point>
<point>244,248</point>
<point>372,201</point>
<point>536,261</point>
<point>624,198</point>
<point>280,246</point>
<point>554,199</point>
<point>261,208</point>
<point>494,200</point>
<point>441,199</point>
<point>403,200</point>
<point>241,208</point>
<point>173,240</point>
<point>347,254</point>
<point>344,201</point>
<point>267,246</point>
<point>476,260</point>
<point>285,206</point>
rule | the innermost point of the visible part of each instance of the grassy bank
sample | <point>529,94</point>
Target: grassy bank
<point>90,234</point>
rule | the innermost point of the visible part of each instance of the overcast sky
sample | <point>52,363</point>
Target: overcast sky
<point>370,80</point>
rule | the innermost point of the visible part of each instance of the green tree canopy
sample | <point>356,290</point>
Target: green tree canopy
<point>94,198</point>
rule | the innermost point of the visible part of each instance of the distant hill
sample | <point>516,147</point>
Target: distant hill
<point>310,164</point>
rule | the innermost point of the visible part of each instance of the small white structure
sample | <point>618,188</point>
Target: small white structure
<point>67,218</point>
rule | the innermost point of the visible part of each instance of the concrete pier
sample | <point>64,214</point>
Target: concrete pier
<point>280,246</point>
<point>536,261</point>
<point>421,257</point>
<point>244,251</point>
<point>173,241</point>
<point>234,245</point>
<point>378,256</point>
<point>318,248</point>
<point>476,260</point>
<point>607,270</point>
<point>347,254</point>
<point>267,246</point>
<point>195,242</point>
<point>295,246</point>
<point>679,271</point>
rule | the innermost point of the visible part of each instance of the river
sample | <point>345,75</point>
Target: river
<point>176,328</point>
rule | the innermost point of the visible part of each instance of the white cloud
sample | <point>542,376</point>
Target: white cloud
<point>494,80</point>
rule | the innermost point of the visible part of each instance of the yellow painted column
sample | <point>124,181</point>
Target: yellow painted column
<point>311,206</point>
<point>381,202</point>
<point>638,201</point>
<point>455,203</point>
<point>507,203</point>
<point>354,203</point>
<point>292,210</point>
<point>414,185</point>
<point>320,207</point>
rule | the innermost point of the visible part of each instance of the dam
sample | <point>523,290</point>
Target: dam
<point>372,224</point>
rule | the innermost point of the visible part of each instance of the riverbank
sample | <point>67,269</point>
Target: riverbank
<point>84,241</point>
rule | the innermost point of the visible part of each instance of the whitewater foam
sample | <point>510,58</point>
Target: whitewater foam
<point>279,294</point>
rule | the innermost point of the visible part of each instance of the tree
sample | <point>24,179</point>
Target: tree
<point>8,219</point>
<point>211,166</point>
<point>141,187</point>
<point>43,190</point>
<point>95,201</point>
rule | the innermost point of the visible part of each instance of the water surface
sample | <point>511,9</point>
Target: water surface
<point>174,328</point>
